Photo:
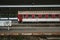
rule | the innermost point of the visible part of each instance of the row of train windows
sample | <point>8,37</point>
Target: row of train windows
<point>41,16</point>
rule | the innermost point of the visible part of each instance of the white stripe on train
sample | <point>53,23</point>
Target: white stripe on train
<point>40,20</point>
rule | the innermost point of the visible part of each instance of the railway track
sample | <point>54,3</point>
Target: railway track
<point>36,24</point>
<point>31,29</point>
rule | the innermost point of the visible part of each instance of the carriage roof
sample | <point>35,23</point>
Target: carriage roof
<point>38,12</point>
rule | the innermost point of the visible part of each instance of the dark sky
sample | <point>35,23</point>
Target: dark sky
<point>28,2</point>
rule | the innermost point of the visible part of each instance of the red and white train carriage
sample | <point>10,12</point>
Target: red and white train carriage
<point>38,16</point>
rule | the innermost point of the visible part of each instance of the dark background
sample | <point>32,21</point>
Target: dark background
<point>12,12</point>
<point>29,2</point>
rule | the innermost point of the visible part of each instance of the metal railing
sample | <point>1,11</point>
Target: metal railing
<point>29,5</point>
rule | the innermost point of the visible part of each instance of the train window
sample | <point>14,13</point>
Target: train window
<point>53,16</point>
<point>30,16</point>
<point>23,16</point>
<point>36,16</point>
<point>46,16</point>
<point>43,16</point>
<point>57,15</point>
<point>49,15</point>
<point>26,16</point>
<point>33,16</point>
<point>40,16</point>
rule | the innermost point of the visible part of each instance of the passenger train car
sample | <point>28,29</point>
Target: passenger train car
<point>38,16</point>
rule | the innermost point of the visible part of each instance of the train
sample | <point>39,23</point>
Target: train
<point>38,16</point>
